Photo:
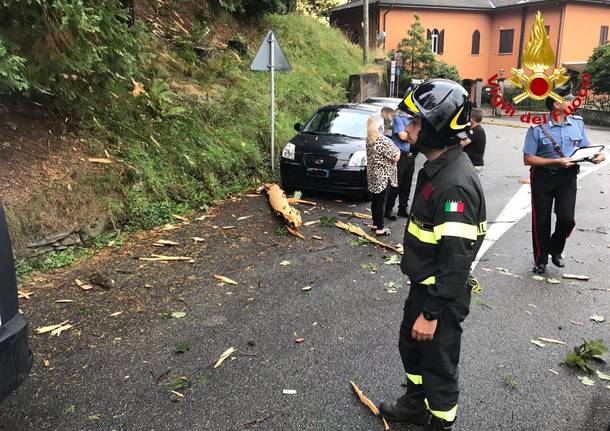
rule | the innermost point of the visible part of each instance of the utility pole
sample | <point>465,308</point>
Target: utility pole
<point>365,41</point>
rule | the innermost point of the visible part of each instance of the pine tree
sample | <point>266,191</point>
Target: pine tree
<point>417,55</point>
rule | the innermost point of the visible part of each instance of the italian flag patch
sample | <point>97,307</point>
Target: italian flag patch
<point>454,206</point>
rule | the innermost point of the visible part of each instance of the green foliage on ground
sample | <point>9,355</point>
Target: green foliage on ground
<point>590,349</point>
<point>200,128</point>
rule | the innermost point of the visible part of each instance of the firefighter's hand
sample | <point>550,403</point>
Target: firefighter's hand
<point>565,162</point>
<point>423,330</point>
<point>599,157</point>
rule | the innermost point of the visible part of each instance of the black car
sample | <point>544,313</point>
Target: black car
<point>329,152</point>
<point>15,355</point>
<point>389,102</point>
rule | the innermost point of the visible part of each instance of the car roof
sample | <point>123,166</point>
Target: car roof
<point>383,99</point>
<point>354,107</point>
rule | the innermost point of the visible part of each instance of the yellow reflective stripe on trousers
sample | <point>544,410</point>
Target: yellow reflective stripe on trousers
<point>423,235</point>
<point>449,415</point>
<point>415,378</point>
<point>428,281</point>
<point>451,228</point>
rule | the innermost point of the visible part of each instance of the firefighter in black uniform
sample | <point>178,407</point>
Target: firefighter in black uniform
<point>444,232</point>
<point>547,150</point>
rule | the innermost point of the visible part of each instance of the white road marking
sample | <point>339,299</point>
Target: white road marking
<point>517,208</point>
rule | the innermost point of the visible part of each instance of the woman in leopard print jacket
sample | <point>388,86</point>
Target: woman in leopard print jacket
<point>382,156</point>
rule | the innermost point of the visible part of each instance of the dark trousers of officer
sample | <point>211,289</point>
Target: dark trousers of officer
<point>434,363</point>
<point>406,167</point>
<point>549,187</point>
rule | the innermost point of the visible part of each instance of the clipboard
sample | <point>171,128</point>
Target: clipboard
<point>585,154</point>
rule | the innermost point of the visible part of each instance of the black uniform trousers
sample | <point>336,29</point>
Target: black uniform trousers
<point>433,365</point>
<point>406,168</point>
<point>548,187</point>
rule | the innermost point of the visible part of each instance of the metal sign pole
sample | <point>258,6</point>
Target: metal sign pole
<point>272,66</point>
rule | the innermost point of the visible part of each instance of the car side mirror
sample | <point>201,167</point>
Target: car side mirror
<point>298,127</point>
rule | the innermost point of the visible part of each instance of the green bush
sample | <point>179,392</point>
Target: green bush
<point>70,48</point>
<point>11,71</point>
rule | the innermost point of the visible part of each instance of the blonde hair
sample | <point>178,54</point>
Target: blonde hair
<point>372,130</point>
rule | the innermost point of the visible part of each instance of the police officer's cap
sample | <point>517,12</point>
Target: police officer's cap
<point>443,103</point>
<point>563,91</point>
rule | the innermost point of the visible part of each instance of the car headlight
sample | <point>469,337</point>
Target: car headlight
<point>358,159</point>
<point>288,152</point>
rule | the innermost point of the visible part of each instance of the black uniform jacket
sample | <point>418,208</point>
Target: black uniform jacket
<point>445,230</point>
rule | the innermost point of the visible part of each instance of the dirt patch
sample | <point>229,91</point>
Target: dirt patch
<point>44,171</point>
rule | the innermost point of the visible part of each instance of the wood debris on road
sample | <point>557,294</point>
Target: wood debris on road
<point>280,205</point>
<point>360,232</point>
<point>295,232</point>
<point>300,201</point>
<point>224,356</point>
<point>356,215</point>
<point>164,258</point>
<point>179,217</point>
<point>55,329</point>
<point>82,285</point>
<point>168,226</point>
<point>225,280</point>
<point>576,277</point>
<point>165,243</point>
<point>100,160</point>
<point>372,407</point>
<point>22,294</point>
<point>551,340</point>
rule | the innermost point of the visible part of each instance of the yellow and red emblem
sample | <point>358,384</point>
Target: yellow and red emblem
<point>538,56</point>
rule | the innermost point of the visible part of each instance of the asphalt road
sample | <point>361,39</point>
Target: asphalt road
<point>116,372</point>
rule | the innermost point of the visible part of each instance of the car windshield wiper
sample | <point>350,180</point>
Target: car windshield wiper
<point>314,132</point>
<point>344,135</point>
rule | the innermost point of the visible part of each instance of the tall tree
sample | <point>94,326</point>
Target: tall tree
<point>319,8</point>
<point>598,67</point>
<point>417,55</point>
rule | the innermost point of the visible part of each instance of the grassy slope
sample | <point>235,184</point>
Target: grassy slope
<point>219,143</point>
<point>203,130</point>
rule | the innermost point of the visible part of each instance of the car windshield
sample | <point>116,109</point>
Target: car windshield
<point>344,122</point>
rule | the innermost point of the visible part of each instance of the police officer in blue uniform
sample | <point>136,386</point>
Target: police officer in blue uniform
<point>547,150</point>
<point>406,168</point>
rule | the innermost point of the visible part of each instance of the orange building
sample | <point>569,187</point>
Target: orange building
<point>483,37</point>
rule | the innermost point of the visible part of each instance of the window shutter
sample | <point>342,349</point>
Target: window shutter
<point>441,41</point>
<point>476,43</point>
<point>603,35</point>
<point>428,34</point>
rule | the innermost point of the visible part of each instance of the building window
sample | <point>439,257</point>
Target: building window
<point>547,28</point>
<point>603,35</point>
<point>476,42</point>
<point>437,40</point>
<point>506,41</point>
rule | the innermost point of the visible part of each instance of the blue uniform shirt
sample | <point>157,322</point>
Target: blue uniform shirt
<point>401,121</point>
<point>570,135</point>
